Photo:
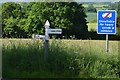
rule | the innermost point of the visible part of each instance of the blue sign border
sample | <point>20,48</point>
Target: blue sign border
<point>115,20</point>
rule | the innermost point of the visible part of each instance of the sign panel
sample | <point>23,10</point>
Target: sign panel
<point>38,36</point>
<point>106,21</point>
<point>55,31</point>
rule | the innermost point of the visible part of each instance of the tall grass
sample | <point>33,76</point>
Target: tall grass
<point>0,59</point>
<point>67,58</point>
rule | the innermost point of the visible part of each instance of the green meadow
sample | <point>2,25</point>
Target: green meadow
<point>24,58</point>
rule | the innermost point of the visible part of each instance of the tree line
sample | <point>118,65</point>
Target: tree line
<point>21,20</point>
<point>110,6</point>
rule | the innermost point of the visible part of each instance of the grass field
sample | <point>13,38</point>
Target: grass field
<point>91,16</point>
<point>92,26</point>
<point>96,5</point>
<point>67,58</point>
<point>92,45</point>
<point>0,58</point>
<point>99,6</point>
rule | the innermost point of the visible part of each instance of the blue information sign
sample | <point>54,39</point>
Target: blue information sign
<point>106,21</point>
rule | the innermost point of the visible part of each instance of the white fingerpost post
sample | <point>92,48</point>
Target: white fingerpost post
<point>46,37</point>
<point>47,24</point>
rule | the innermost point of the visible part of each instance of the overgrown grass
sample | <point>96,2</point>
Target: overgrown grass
<point>67,58</point>
<point>0,58</point>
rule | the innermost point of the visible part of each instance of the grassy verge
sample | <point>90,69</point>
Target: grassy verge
<point>67,58</point>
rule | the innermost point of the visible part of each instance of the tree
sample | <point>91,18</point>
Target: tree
<point>11,16</point>
<point>119,7</point>
<point>91,8</point>
<point>118,21</point>
<point>118,25</point>
<point>31,18</point>
<point>113,6</point>
<point>68,16</point>
<point>11,9</point>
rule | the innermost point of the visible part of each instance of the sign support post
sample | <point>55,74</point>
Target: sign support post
<point>46,39</point>
<point>107,44</point>
<point>106,24</point>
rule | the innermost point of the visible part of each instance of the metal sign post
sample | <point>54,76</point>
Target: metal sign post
<point>107,44</point>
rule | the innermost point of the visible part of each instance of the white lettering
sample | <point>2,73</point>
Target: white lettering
<point>108,21</point>
<point>106,27</point>
<point>106,30</point>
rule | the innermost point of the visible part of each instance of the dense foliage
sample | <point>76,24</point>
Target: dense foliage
<point>118,21</point>
<point>119,7</point>
<point>115,6</point>
<point>118,24</point>
<point>24,19</point>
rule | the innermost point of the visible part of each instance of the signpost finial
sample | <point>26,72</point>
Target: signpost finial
<point>47,23</point>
